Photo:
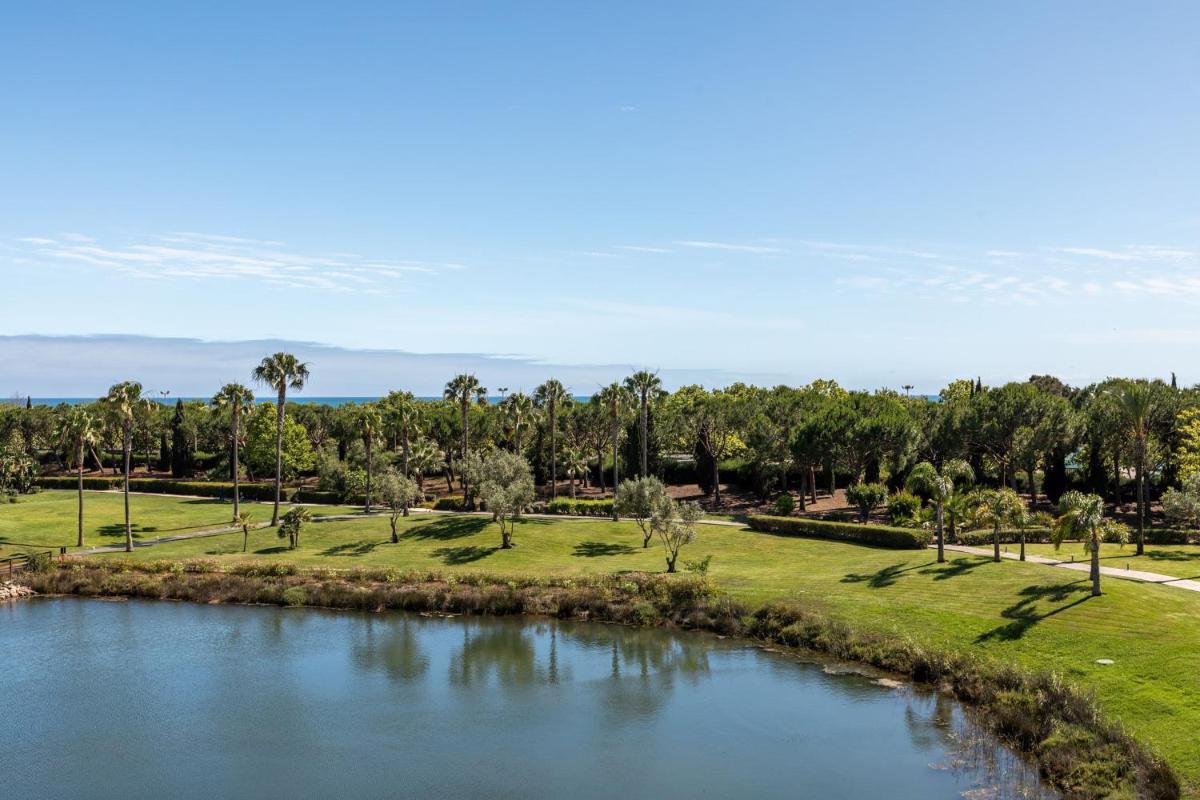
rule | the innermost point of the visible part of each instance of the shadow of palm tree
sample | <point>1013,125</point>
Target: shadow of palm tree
<point>1024,614</point>
<point>595,549</point>
<point>266,551</point>
<point>118,529</point>
<point>445,528</point>
<point>884,577</point>
<point>463,555</point>
<point>351,549</point>
<point>1171,555</point>
<point>955,567</point>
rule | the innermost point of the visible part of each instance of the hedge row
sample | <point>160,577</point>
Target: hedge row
<point>223,490</point>
<point>580,508</point>
<point>877,535</point>
<point>1042,536</point>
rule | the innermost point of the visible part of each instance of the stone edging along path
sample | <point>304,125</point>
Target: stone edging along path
<point>1084,566</point>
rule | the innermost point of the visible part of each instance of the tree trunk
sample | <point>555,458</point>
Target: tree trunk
<point>1095,564</point>
<point>600,469</point>
<point>395,536</point>
<point>80,543</point>
<point>245,538</point>
<point>671,563</point>
<point>1022,545</point>
<point>803,488</point>
<point>716,480</point>
<point>367,499</point>
<point>553,454</point>
<point>616,431</point>
<point>996,543</point>
<point>278,453</point>
<point>645,434</point>
<point>1116,479</point>
<point>505,539</point>
<point>941,538</point>
<point>1140,479</point>
<point>812,482</point>
<point>236,469</point>
<point>1033,497</point>
<point>127,452</point>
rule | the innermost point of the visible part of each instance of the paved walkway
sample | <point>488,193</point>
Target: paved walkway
<point>1086,567</point>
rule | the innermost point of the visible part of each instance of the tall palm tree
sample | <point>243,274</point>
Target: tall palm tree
<point>615,398</point>
<point>281,372</point>
<point>1136,401</point>
<point>995,508</point>
<point>234,398</point>
<point>404,415</point>
<point>1081,516</point>
<point>576,464</point>
<point>644,384</point>
<point>551,396</point>
<point>518,410</point>
<point>940,486</point>
<point>370,423</point>
<point>123,402</point>
<point>78,430</point>
<point>463,390</point>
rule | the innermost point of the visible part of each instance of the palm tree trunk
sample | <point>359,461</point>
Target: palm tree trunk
<point>367,503</point>
<point>716,482</point>
<point>1141,497</point>
<point>553,454</point>
<point>996,542</point>
<point>237,501</point>
<point>127,453</point>
<point>1022,544</point>
<point>80,460</point>
<point>1033,497</point>
<point>616,463</point>
<point>405,457</point>
<point>645,434</point>
<point>278,452</point>
<point>941,539</point>
<point>1095,564</point>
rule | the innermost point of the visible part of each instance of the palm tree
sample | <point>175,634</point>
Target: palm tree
<point>243,520</point>
<point>925,478</point>
<point>576,464</point>
<point>463,390</point>
<point>370,423</point>
<point>424,458</point>
<point>123,402</point>
<point>404,413</point>
<point>78,431</point>
<point>1136,402</point>
<point>551,395</point>
<point>997,507</point>
<point>281,372</point>
<point>518,410</point>
<point>644,384</point>
<point>236,398</point>
<point>614,398</point>
<point>1081,516</point>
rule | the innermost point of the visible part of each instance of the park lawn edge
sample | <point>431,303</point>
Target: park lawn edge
<point>1043,717</point>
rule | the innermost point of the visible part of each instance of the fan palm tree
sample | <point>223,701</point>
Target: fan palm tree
<point>644,385</point>
<point>424,459</point>
<point>925,478</point>
<point>243,520</point>
<point>281,372</point>
<point>123,403</point>
<point>1081,516</point>
<point>552,395</point>
<point>995,508</point>
<point>404,414</point>
<point>518,410</point>
<point>1136,402</point>
<point>615,398</point>
<point>370,424</point>
<point>463,390</point>
<point>78,431</point>
<point>576,464</point>
<point>234,398</point>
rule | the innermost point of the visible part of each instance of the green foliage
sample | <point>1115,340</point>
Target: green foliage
<point>1183,505</point>
<point>878,535</point>
<point>17,473</point>
<point>783,506</point>
<point>903,506</point>
<point>580,508</point>
<point>866,497</point>
<point>259,454</point>
<point>221,489</point>
<point>503,481</point>
<point>292,524</point>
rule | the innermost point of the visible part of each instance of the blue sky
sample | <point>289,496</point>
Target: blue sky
<point>881,193</point>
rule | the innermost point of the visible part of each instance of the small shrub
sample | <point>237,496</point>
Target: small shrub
<point>878,535</point>
<point>903,506</point>
<point>295,596</point>
<point>40,561</point>
<point>699,567</point>
<point>784,505</point>
<point>580,508</point>
<point>866,497</point>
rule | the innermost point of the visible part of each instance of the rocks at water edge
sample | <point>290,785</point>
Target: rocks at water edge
<point>14,591</point>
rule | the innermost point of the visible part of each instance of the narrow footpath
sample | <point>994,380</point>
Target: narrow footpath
<point>1085,567</point>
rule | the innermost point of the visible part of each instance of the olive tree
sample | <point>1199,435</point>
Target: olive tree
<point>637,500</point>
<point>675,524</point>
<point>397,492</point>
<point>504,482</point>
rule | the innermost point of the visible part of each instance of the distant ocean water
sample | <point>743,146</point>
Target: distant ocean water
<point>170,400</point>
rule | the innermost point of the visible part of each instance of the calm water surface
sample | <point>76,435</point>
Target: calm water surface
<point>150,700</point>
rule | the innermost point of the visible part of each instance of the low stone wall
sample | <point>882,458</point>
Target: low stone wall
<point>14,591</point>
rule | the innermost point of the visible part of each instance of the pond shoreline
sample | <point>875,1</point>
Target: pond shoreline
<point>1046,720</point>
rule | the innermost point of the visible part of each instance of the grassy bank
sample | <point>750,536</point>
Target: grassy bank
<point>1056,725</point>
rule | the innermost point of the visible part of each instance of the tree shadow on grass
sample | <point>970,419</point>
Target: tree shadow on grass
<point>118,529</point>
<point>445,528</point>
<point>884,577</point>
<point>351,549</point>
<point>955,567</point>
<point>1024,613</point>
<point>596,549</point>
<point>1170,555</point>
<point>454,556</point>
<point>268,551</point>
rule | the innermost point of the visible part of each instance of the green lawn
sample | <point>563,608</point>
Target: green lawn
<point>47,519</point>
<point>1039,616</point>
<point>1176,560</point>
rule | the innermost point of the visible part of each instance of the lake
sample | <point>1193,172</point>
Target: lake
<point>144,699</point>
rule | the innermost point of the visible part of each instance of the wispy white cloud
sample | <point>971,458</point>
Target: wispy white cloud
<point>637,248</point>
<point>201,256</point>
<point>731,247</point>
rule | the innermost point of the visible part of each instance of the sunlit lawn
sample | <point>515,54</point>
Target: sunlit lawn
<point>1179,560</point>
<point>1037,615</point>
